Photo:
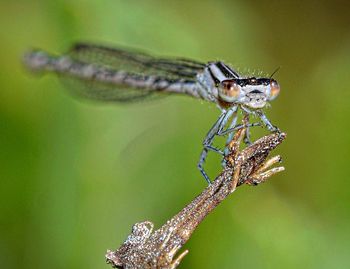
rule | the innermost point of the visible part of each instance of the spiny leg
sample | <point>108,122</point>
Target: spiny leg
<point>237,127</point>
<point>201,161</point>
<point>218,129</point>
<point>207,143</point>
<point>266,121</point>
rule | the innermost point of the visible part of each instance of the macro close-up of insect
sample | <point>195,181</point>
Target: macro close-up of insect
<point>174,134</point>
<point>117,75</point>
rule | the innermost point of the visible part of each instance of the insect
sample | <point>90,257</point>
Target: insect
<point>122,75</point>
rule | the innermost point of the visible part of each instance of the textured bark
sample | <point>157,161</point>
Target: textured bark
<point>145,248</point>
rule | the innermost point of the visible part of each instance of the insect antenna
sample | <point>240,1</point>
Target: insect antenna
<point>274,72</point>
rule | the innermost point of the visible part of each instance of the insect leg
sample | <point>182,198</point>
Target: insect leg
<point>237,127</point>
<point>201,161</point>
<point>232,125</point>
<point>207,143</point>
<point>266,121</point>
<point>216,129</point>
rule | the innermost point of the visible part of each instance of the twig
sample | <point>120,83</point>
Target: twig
<point>147,249</point>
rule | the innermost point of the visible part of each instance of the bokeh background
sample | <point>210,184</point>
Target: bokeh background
<point>75,176</point>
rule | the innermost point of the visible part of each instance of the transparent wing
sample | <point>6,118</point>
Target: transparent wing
<point>133,63</point>
<point>95,90</point>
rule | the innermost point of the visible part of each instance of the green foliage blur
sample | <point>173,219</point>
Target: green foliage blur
<point>75,175</point>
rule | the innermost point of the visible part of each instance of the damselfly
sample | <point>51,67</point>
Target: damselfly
<point>119,75</point>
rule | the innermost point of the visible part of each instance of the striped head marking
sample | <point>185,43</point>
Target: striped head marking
<point>251,92</point>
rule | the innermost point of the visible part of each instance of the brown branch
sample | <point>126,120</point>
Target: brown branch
<point>147,249</point>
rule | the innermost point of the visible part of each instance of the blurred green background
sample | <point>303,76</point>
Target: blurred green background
<point>75,176</point>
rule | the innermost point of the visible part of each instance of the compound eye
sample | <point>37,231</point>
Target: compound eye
<point>229,90</point>
<point>275,89</point>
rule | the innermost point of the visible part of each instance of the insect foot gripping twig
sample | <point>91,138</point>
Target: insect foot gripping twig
<point>147,249</point>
